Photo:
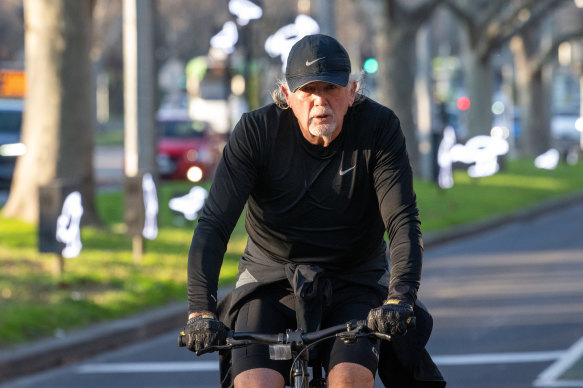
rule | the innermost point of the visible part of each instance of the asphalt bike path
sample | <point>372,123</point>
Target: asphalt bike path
<point>81,344</point>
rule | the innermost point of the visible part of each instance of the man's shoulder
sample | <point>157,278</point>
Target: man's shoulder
<point>269,111</point>
<point>262,124</point>
<point>367,106</point>
<point>371,114</point>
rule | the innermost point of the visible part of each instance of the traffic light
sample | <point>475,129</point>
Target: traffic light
<point>371,66</point>
<point>463,103</point>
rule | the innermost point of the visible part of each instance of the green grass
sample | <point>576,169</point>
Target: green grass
<point>471,199</point>
<point>105,283</point>
<point>111,134</point>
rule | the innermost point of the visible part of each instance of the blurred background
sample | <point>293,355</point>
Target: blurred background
<point>114,114</point>
<point>90,76</point>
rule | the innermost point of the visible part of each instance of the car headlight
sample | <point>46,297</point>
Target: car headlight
<point>194,174</point>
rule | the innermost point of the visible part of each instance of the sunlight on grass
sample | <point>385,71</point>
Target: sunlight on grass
<point>475,199</point>
<point>515,181</point>
<point>237,244</point>
<point>229,270</point>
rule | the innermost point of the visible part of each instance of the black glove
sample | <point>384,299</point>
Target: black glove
<point>392,317</point>
<point>203,331</point>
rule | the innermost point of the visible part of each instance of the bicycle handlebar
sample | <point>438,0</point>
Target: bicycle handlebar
<point>347,332</point>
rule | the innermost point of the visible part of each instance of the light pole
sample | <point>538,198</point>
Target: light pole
<point>139,134</point>
<point>577,66</point>
<point>579,122</point>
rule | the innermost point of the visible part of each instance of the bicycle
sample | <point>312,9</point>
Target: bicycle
<point>294,345</point>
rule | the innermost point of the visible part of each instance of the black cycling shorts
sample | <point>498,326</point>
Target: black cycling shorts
<point>271,310</point>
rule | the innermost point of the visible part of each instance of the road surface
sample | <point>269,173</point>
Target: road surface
<point>507,304</point>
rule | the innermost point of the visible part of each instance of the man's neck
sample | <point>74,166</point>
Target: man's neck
<point>324,140</point>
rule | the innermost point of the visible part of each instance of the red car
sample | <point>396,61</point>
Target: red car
<point>187,149</point>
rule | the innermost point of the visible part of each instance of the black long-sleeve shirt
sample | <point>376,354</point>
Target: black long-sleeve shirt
<point>328,206</point>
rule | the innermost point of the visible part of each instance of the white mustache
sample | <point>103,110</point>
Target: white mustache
<point>322,112</point>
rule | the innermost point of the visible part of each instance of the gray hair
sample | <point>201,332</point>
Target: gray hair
<point>279,98</point>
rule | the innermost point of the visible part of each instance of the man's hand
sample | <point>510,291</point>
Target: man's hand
<point>392,317</point>
<point>204,330</point>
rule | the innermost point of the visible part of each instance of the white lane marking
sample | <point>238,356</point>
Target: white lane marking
<point>496,358</point>
<point>548,378</point>
<point>562,383</point>
<point>145,367</point>
<point>210,366</point>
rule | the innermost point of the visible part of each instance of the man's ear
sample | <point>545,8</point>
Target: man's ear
<point>285,92</point>
<point>352,96</point>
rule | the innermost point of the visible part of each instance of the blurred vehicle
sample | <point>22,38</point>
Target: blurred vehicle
<point>566,137</point>
<point>210,103</point>
<point>10,145</point>
<point>563,127</point>
<point>187,149</point>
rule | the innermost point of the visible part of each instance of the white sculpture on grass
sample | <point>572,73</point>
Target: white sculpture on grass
<point>150,230</point>
<point>189,204</point>
<point>69,225</point>
<point>481,152</point>
<point>548,160</point>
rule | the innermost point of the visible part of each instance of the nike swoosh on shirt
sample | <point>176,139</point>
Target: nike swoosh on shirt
<point>342,172</point>
<point>310,63</point>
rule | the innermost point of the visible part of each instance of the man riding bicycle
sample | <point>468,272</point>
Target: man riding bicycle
<point>324,172</point>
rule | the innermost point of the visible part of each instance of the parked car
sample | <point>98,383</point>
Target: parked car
<point>187,149</point>
<point>10,145</point>
<point>563,127</point>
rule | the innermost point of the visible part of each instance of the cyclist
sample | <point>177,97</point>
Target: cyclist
<point>324,172</point>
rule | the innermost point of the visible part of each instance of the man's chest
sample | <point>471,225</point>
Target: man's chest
<point>298,181</point>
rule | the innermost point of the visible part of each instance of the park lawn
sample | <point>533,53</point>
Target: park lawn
<point>518,186</point>
<point>104,282</point>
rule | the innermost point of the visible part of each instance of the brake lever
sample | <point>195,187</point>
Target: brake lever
<point>384,337</point>
<point>206,350</point>
<point>231,344</point>
<point>350,336</point>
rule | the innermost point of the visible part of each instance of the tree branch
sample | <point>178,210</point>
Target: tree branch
<point>423,11</point>
<point>550,53</point>
<point>492,14</point>
<point>462,14</point>
<point>537,13</point>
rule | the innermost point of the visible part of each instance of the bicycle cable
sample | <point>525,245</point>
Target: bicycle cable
<point>303,350</point>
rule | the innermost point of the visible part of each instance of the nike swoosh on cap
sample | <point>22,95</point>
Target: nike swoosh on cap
<point>310,63</point>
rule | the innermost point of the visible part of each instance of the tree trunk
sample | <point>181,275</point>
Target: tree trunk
<point>399,85</point>
<point>394,40</point>
<point>59,117</point>
<point>535,119</point>
<point>424,98</point>
<point>479,81</point>
<point>533,94</point>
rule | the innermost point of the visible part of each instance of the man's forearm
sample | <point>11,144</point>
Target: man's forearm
<point>204,265</point>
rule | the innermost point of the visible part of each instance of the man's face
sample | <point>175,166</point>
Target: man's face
<point>320,108</point>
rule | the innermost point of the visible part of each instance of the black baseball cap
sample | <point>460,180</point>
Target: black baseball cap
<point>317,58</point>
